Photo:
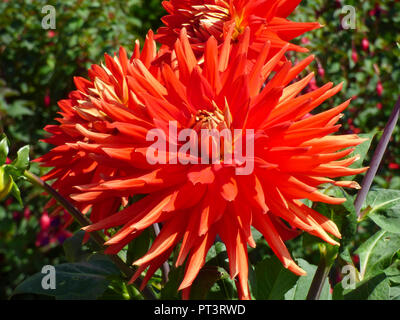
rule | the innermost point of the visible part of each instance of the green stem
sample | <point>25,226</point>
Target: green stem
<point>83,221</point>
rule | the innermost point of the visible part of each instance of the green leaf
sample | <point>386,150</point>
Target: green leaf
<point>393,272</point>
<point>381,283</point>
<point>362,150</point>
<point>170,290</point>
<point>374,288</point>
<point>16,193</point>
<point>223,289</point>
<point>138,247</point>
<point>383,207</point>
<point>394,293</point>
<point>83,280</point>
<point>3,150</point>
<point>343,215</point>
<point>377,252</point>
<point>73,247</point>
<point>205,280</point>
<point>22,161</point>
<point>272,281</point>
<point>217,256</point>
<point>303,284</point>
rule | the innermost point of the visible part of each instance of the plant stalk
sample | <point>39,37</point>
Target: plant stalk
<point>319,280</point>
<point>377,159</point>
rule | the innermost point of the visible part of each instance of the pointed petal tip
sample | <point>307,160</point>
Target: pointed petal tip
<point>296,269</point>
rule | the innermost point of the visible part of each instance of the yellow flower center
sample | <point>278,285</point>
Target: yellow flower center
<point>209,120</point>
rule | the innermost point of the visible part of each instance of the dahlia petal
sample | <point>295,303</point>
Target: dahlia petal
<point>141,221</point>
<point>243,214</point>
<point>328,225</point>
<point>295,70</point>
<point>318,230</point>
<point>293,90</point>
<point>322,118</point>
<point>288,30</point>
<point>286,7</point>
<point>263,223</point>
<point>256,79</point>
<point>135,210</point>
<point>229,189</point>
<point>197,259</point>
<point>168,237</point>
<point>333,143</point>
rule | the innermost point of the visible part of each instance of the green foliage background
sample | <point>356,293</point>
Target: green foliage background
<point>37,68</point>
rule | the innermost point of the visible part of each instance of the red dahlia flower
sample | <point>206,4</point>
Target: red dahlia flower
<point>107,120</point>
<point>222,18</point>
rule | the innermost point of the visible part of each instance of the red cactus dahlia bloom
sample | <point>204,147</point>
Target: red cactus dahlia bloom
<point>107,120</point>
<point>204,18</point>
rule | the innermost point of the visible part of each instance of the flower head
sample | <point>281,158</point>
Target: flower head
<point>202,19</point>
<point>106,125</point>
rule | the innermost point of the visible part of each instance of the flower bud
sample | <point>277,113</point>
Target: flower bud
<point>379,89</point>
<point>354,56</point>
<point>365,44</point>
<point>45,221</point>
<point>5,184</point>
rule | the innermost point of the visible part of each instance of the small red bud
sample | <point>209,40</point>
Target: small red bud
<point>45,221</point>
<point>365,44</point>
<point>354,56</point>
<point>394,166</point>
<point>47,100</point>
<point>379,89</point>
<point>27,213</point>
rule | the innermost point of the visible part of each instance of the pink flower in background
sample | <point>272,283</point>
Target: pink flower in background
<point>45,221</point>
<point>51,230</point>
<point>321,71</point>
